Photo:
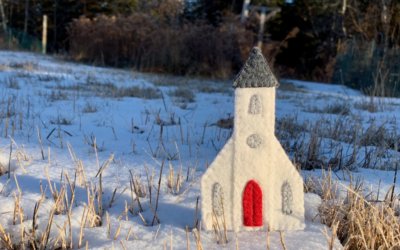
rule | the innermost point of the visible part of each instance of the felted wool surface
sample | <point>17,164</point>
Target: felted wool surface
<point>252,205</point>
<point>220,171</point>
<point>4,163</point>
<point>254,154</point>
<point>287,198</point>
<point>267,164</point>
<point>255,72</point>
<point>218,199</point>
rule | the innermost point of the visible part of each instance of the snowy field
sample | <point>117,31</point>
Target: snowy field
<point>144,124</point>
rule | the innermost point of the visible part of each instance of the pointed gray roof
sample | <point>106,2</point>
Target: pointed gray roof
<point>255,73</point>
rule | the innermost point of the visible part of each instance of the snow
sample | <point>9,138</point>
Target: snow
<point>192,145</point>
<point>314,87</point>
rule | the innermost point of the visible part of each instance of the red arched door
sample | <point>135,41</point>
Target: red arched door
<point>252,205</point>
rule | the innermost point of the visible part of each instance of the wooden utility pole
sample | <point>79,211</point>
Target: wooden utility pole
<point>344,6</point>
<point>261,30</point>
<point>4,18</point>
<point>44,35</point>
<point>245,11</point>
<point>26,19</point>
<point>263,19</point>
<point>385,20</point>
<point>55,26</point>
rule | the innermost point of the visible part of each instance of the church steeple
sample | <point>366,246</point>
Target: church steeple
<point>255,73</point>
<point>261,187</point>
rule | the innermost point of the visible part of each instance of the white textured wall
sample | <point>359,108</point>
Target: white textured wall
<point>219,171</point>
<point>268,165</point>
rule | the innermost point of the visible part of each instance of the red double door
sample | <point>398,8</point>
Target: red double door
<point>252,205</point>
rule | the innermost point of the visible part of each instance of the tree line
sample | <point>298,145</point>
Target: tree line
<point>302,41</point>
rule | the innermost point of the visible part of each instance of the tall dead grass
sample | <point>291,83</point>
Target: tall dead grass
<point>150,45</point>
<point>360,219</point>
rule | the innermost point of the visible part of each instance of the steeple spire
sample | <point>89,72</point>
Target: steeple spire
<point>255,73</point>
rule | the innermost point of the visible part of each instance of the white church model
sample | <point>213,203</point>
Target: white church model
<point>252,181</point>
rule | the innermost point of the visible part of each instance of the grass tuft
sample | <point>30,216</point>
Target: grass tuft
<point>184,95</point>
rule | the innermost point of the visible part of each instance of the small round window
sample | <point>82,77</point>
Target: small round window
<point>254,141</point>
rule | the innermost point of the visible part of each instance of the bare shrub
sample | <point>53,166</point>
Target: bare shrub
<point>49,78</point>
<point>95,87</point>
<point>322,143</point>
<point>225,123</point>
<point>61,120</point>
<point>27,65</point>
<point>185,48</point>
<point>337,108</point>
<point>90,107</point>
<point>208,88</point>
<point>282,96</point>
<point>136,91</point>
<point>289,127</point>
<point>91,142</point>
<point>364,105</point>
<point>12,83</point>
<point>288,86</point>
<point>183,94</point>
<point>57,95</point>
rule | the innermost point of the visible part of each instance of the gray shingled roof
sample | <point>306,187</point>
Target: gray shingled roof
<point>255,73</point>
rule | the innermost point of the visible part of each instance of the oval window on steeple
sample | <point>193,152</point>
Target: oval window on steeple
<point>255,105</point>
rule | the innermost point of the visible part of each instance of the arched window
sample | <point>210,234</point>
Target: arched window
<point>287,198</point>
<point>255,105</point>
<point>218,196</point>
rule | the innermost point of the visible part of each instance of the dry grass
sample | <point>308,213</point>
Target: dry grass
<point>12,82</point>
<point>342,142</point>
<point>337,108</point>
<point>31,238</point>
<point>356,215</point>
<point>91,142</point>
<point>61,120</point>
<point>360,220</point>
<point>183,95</point>
<point>90,107</point>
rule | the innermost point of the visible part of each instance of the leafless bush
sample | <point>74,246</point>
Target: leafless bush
<point>183,94</point>
<point>135,91</point>
<point>27,65</point>
<point>186,49</point>
<point>341,143</point>
<point>225,123</point>
<point>365,105</point>
<point>337,108</point>
<point>104,89</point>
<point>49,78</point>
<point>216,88</point>
<point>90,107</point>
<point>57,95</point>
<point>91,141</point>
<point>61,120</point>
<point>288,86</point>
<point>12,82</point>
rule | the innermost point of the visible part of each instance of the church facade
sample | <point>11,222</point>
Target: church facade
<point>252,180</point>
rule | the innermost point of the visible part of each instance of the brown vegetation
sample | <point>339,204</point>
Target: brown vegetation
<point>147,44</point>
<point>355,213</point>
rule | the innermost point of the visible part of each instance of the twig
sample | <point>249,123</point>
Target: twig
<point>186,190</point>
<point>282,241</point>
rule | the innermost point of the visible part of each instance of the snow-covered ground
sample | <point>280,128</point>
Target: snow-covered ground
<point>79,103</point>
